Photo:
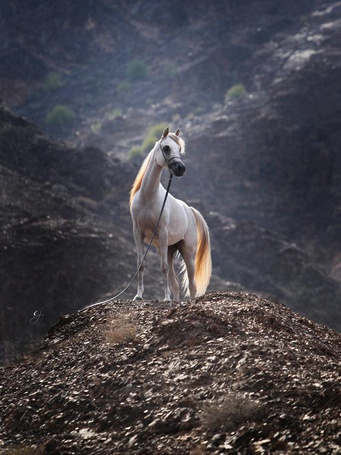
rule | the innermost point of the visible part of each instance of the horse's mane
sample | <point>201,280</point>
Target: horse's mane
<point>138,180</point>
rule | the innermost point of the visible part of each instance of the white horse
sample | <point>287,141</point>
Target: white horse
<point>181,229</point>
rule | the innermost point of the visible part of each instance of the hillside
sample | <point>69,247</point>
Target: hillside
<point>56,254</point>
<point>262,166</point>
<point>227,373</point>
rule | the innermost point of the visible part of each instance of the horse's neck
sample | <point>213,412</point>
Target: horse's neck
<point>151,180</point>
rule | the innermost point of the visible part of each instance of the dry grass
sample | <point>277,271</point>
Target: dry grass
<point>228,413</point>
<point>120,331</point>
<point>198,450</point>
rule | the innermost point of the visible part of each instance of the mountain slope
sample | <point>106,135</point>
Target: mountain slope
<point>56,254</point>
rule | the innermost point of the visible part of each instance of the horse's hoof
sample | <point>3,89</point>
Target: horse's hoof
<point>138,299</point>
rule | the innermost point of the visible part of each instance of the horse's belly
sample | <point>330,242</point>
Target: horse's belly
<point>175,234</point>
<point>171,240</point>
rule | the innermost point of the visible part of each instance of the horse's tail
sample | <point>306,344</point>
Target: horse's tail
<point>203,261</point>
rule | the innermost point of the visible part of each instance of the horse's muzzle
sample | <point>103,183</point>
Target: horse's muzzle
<point>177,167</point>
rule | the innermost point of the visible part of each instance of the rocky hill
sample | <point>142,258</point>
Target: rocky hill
<point>227,373</point>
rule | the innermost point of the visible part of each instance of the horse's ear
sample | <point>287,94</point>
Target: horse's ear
<point>165,132</point>
<point>177,132</point>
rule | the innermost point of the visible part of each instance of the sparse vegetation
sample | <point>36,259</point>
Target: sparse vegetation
<point>230,412</point>
<point>120,331</point>
<point>199,110</point>
<point>60,118</point>
<point>124,87</point>
<point>136,70</point>
<point>234,92</point>
<point>148,143</point>
<point>135,153</point>
<point>53,81</point>
<point>153,135</point>
<point>171,69</point>
<point>114,114</point>
<point>95,127</point>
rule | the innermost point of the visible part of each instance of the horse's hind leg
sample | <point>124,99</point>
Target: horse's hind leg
<point>174,283</point>
<point>188,254</point>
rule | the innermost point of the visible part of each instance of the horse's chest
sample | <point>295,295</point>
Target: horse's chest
<point>147,221</point>
<point>147,216</point>
<point>173,221</point>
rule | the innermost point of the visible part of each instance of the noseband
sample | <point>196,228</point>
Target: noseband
<point>168,160</point>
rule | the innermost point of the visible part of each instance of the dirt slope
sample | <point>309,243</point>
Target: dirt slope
<point>226,373</point>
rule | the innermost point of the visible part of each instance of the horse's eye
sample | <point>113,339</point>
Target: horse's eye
<point>166,148</point>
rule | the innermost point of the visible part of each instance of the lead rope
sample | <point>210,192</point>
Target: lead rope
<point>144,256</point>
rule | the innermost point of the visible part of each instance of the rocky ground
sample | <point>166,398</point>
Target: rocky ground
<point>230,372</point>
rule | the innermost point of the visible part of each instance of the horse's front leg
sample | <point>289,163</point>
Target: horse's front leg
<point>138,236</point>
<point>174,283</point>
<point>163,251</point>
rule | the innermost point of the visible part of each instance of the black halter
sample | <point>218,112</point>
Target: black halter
<point>168,160</point>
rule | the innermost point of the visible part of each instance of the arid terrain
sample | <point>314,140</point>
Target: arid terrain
<point>227,373</point>
<point>251,367</point>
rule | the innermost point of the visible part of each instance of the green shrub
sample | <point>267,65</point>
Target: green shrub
<point>53,81</point>
<point>234,92</point>
<point>148,143</point>
<point>114,114</point>
<point>136,70</point>
<point>60,118</point>
<point>135,153</point>
<point>153,135</point>
<point>124,87</point>
<point>157,129</point>
<point>170,69</point>
<point>96,127</point>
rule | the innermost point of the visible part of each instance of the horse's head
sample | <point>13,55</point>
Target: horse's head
<point>171,147</point>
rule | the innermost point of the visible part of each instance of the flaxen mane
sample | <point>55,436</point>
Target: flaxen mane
<point>138,180</point>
